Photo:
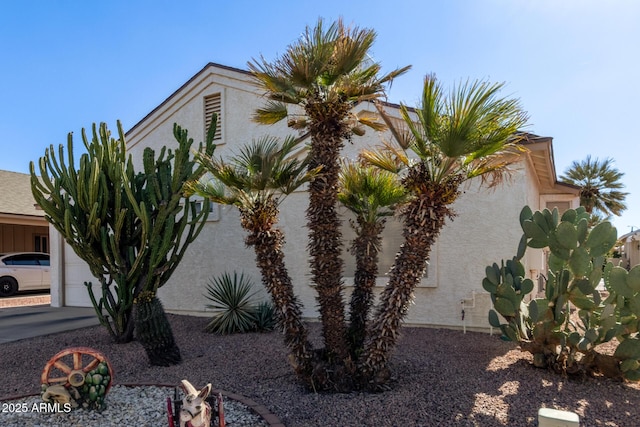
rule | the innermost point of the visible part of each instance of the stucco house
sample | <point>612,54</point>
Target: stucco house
<point>485,230</point>
<point>22,225</point>
<point>630,244</point>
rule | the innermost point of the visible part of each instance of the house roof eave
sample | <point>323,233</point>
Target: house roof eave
<point>540,153</point>
<point>177,92</point>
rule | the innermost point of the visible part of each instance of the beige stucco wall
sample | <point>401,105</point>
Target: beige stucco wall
<point>485,230</point>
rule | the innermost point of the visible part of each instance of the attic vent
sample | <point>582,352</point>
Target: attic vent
<point>213,104</point>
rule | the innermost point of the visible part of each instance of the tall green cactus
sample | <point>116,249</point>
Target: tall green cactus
<point>131,229</point>
<point>546,326</point>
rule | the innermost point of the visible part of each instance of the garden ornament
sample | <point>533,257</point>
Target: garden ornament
<point>60,394</point>
<point>195,411</point>
<point>80,376</point>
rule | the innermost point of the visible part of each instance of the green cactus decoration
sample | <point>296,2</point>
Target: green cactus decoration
<point>564,329</point>
<point>154,332</point>
<point>131,229</point>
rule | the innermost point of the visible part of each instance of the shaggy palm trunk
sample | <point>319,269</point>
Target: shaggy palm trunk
<point>588,197</point>
<point>365,249</point>
<point>327,130</point>
<point>154,331</point>
<point>267,242</point>
<point>423,219</point>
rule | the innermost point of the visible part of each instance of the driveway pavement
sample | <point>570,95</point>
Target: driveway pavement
<point>17,323</point>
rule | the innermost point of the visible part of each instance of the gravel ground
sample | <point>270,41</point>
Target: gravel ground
<point>139,406</point>
<point>441,378</point>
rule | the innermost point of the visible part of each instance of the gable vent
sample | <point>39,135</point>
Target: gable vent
<point>213,104</point>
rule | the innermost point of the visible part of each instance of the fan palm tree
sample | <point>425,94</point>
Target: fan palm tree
<point>371,194</point>
<point>323,76</point>
<point>600,185</point>
<point>469,133</point>
<point>256,181</point>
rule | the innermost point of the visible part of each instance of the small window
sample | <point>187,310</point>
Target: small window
<point>199,205</point>
<point>22,259</point>
<point>213,104</point>
<point>43,259</point>
<point>41,243</point>
<point>562,206</point>
<point>214,209</point>
<point>392,238</point>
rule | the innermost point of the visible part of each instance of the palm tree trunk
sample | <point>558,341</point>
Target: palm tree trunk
<point>365,249</point>
<point>424,217</point>
<point>325,237</point>
<point>267,243</point>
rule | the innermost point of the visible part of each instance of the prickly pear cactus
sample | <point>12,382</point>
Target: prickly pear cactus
<point>508,287</point>
<point>563,329</point>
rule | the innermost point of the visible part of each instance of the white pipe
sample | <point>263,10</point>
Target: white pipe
<point>473,305</point>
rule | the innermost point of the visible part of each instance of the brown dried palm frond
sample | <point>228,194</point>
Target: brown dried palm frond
<point>328,63</point>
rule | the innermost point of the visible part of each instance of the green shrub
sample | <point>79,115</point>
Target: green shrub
<point>236,311</point>
<point>265,317</point>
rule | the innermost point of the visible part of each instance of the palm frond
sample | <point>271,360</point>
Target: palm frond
<point>259,171</point>
<point>370,119</point>
<point>369,192</point>
<point>388,78</point>
<point>431,111</point>
<point>350,49</point>
<point>469,132</point>
<point>386,157</point>
<point>600,183</point>
<point>399,129</point>
<point>327,63</point>
<point>271,113</point>
<point>213,189</point>
<point>271,78</point>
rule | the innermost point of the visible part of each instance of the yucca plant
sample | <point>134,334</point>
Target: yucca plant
<point>265,314</point>
<point>232,298</point>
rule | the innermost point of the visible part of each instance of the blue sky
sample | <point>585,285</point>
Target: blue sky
<point>574,64</point>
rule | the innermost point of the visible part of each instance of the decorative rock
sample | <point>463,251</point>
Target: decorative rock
<point>136,406</point>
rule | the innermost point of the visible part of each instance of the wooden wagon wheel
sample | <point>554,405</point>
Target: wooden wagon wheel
<point>70,366</point>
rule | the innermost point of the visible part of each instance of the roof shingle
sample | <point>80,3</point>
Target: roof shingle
<point>15,194</point>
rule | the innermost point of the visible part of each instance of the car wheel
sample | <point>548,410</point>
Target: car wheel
<point>8,286</point>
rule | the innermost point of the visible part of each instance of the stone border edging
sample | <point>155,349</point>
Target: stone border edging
<point>271,419</point>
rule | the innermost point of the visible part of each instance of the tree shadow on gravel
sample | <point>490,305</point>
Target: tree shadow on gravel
<point>440,378</point>
<point>479,380</point>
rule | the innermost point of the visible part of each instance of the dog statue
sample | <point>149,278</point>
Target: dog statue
<point>195,411</point>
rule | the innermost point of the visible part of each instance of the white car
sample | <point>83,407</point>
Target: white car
<point>23,271</point>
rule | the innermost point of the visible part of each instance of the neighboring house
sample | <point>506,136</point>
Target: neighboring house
<point>22,225</point>
<point>630,249</point>
<point>485,230</point>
